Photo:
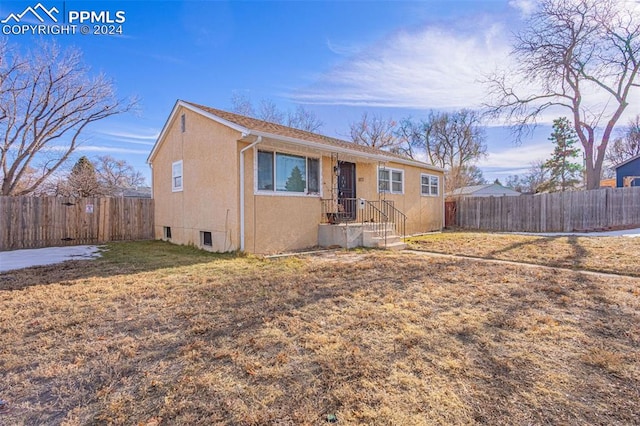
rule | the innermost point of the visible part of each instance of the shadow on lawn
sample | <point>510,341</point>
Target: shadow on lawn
<point>574,259</point>
<point>119,258</point>
<point>240,329</point>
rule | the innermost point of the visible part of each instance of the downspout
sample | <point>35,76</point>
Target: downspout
<point>151,167</point>
<point>242,151</point>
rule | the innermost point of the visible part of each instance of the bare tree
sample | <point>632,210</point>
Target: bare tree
<point>114,175</point>
<point>471,175</point>
<point>301,118</point>
<point>304,119</point>
<point>241,104</point>
<point>269,111</point>
<point>27,179</point>
<point>454,141</point>
<point>531,182</point>
<point>374,131</point>
<point>104,175</point>
<point>411,137</point>
<point>575,52</point>
<point>47,99</point>
<point>628,145</point>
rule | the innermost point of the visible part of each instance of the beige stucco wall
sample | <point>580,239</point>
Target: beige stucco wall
<point>424,213</point>
<point>276,222</point>
<point>209,200</point>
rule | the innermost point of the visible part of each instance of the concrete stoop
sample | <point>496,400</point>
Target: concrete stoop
<point>358,235</point>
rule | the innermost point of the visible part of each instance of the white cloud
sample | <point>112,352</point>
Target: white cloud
<point>343,49</point>
<point>525,7</point>
<point>134,138</point>
<point>435,67</point>
<point>112,149</point>
<point>99,149</point>
<point>517,157</point>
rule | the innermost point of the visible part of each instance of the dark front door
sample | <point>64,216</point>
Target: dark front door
<point>347,189</point>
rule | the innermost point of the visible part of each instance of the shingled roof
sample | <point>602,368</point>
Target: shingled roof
<point>275,129</point>
<point>253,126</point>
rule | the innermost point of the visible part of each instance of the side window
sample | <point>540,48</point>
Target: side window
<point>383,180</point>
<point>176,176</point>
<point>391,181</point>
<point>265,171</point>
<point>313,177</point>
<point>429,185</point>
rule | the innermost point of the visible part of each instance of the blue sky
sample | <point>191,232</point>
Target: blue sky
<point>338,59</point>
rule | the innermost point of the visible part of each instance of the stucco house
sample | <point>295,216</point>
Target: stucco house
<point>628,172</point>
<point>225,182</point>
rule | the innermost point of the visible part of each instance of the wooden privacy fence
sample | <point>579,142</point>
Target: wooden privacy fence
<point>32,222</point>
<point>598,209</point>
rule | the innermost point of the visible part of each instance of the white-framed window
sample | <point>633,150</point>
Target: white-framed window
<point>176,176</point>
<point>391,180</point>
<point>429,185</point>
<point>278,172</point>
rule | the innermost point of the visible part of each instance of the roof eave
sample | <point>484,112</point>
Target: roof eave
<point>354,152</point>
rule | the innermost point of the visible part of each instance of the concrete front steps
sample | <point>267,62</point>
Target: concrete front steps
<point>372,238</point>
<point>351,235</point>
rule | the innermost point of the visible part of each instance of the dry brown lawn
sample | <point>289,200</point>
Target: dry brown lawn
<point>618,255</point>
<point>155,334</point>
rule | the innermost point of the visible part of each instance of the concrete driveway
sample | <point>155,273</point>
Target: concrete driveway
<point>18,259</point>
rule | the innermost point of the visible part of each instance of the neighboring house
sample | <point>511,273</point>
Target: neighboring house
<point>628,172</point>
<point>226,182</point>
<point>137,192</point>
<point>488,190</point>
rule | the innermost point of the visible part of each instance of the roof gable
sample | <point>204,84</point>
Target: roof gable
<point>630,160</point>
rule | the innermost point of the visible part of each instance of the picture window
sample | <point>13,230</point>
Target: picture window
<point>281,172</point>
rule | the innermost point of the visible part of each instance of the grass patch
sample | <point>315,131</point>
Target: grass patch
<point>619,255</point>
<point>175,336</point>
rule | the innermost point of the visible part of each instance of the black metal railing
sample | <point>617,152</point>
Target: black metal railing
<point>379,216</point>
<point>343,210</point>
<point>397,218</point>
